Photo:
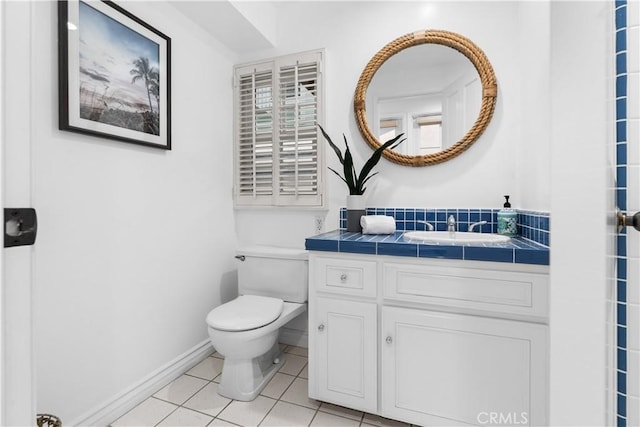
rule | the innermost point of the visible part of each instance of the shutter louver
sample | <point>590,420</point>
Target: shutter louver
<point>255,134</point>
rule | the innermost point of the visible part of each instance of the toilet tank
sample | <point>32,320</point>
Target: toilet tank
<point>274,272</point>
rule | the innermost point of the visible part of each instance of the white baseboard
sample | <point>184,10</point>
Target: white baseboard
<point>294,337</point>
<point>114,408</point>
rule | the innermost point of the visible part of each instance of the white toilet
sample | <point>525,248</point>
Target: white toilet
<point>272,283</point>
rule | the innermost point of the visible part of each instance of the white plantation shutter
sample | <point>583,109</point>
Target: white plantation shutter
<point>278,155</point>
<point>254,133</point>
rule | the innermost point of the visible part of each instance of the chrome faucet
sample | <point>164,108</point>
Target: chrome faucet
<point>428,225</point>
<point>451,224</point>
<point>475,224</point>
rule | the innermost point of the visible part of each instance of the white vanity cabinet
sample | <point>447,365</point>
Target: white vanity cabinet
<point>451,369</point>
<point>343,341</point>
<point>345,355</point>
<point>427,341</point>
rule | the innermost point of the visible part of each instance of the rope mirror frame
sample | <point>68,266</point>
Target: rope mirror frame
<point>446,38</point>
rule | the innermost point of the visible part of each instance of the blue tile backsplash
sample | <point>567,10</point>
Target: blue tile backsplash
<point>531,246</point>
<point>532,225</point>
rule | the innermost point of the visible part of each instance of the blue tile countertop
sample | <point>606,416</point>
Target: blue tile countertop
<point>517,250</point>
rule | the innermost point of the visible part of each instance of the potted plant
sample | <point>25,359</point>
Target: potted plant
<point>356,181</point>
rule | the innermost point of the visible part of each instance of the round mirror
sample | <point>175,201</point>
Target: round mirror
<point>440,93</point>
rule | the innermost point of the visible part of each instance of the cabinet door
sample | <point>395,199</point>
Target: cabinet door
<point>450,369</point>
<point>345,353</point>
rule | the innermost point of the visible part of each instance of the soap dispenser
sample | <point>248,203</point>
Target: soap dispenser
<point>507,220</point>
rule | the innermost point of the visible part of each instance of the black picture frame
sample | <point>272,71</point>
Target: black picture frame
<point>114,74</point>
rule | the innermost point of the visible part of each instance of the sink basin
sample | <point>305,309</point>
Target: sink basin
<point>455,237</point>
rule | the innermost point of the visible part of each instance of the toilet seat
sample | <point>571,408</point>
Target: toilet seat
<point>244,313</point>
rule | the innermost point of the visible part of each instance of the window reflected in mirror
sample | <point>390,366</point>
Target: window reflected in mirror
<point>390,127</point>
<point>427,133</point>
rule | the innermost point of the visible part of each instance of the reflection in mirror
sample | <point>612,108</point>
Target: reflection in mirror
<point>431,93</point>
<point>436,87</point>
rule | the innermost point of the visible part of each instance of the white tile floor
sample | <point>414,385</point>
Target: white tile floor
<point>192,400</point>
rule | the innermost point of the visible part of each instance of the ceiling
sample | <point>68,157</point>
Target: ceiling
<point>242,26</point>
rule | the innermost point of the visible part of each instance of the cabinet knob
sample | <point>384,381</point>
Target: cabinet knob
<point>389,340</point>
<point>321,327</point>
<point>343,277</point>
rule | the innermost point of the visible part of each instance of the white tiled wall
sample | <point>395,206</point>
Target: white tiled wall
<point>633,205</point>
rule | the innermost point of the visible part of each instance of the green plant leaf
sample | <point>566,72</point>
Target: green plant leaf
<point>398,143</point>
<point>349,171</point>
<point>368,178</point>
<point>339,176</point>
<point>375,158</point>
<point>335,148</point>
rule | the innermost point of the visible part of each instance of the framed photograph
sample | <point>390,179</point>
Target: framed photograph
<point>114,74</point>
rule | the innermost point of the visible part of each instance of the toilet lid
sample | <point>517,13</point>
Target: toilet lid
<point>244,313</point>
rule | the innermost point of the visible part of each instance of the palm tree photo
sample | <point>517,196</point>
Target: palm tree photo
<point>149,74</point>
<point>119,75</point>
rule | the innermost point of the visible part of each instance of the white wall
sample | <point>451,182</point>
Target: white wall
<point>351,33</point>
<point>533,159</point>
<point>135,244</point>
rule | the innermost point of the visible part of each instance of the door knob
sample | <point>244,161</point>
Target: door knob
<point>20,226</point>
<point>625,220</point>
